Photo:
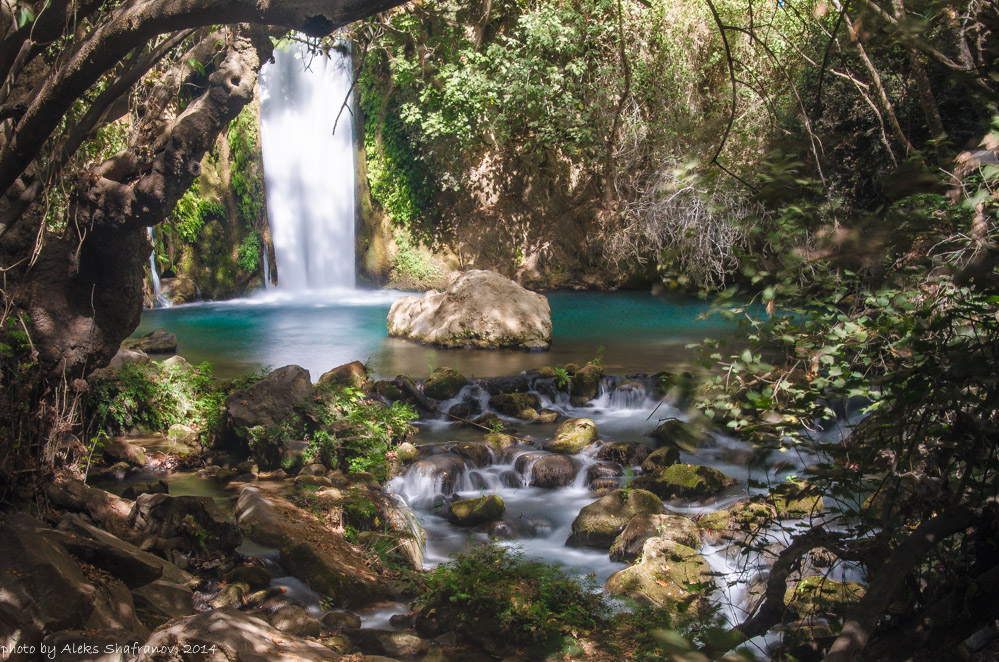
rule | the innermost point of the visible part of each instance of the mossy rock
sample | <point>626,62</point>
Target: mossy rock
<point>353,374</point>
<point>586,381</point>
<point>573,435</point>
<point>625,453</point>
<point>795,499</point>
<point>475,451</point>
<point>685,481</point>
<point>254,576</point>
<point>599,523</point>
<point>307,482</point>
<point>470,512</point>
<point>406,452</point>
<point>444,384</point>
<point>668,576</point>
<point>717,521</point>
<point>816,595</point>
<point>489,421</point>
<point>547,372</point>
<point>553,471</point>
<point>752,515</point>
<point>388,390</point>
<point>682,434</point>
<point>629,544</point>
<point>660,460</point>
<point>546,416</point>
<point>516,404</point>
<point>498,441</point>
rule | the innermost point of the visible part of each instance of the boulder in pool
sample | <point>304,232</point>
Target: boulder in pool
<point>477,452</point>
<point>625,453</point>
<point>573,435</point>
<point>599,523</point>
<point>685,481</point>
<point>470,512</point>
<point>271,401</point>
<point>479,309</point>
<point>664,576</point>
<point>154,342</point>
<point>553,471</point>
<point>444,384</point>
<point>586,381</point>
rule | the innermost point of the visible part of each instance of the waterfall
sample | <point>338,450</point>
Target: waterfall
<point>309,169</point>
<point>161,300</point>
<point>267,269</point>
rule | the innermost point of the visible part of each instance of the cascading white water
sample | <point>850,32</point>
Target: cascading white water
<point>267,269</point>
<point>309,169</point>
<point>161,300</point>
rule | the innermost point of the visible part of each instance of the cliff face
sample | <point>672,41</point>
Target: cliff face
<point>213,244</point>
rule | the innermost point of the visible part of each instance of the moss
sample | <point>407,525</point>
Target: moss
<point>685,481</point>
<point>599,523</point>
<point>470,512</point>
<point>444,384</point>
<point>795,499</point>
<point>515,404</point>
<point>716,521</point>
<point>586,381</point>
<point>817,595</point>
<point>660,460</point>
<point>498,441</point>
<point>573,435</point>
<point>668,576</point>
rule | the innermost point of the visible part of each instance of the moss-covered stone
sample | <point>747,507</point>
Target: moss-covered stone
<point>752,515</point>
<point>573,435</point>
<point>669,575</point>
<point>629,543</point>
<point>816,595</point>
<point>586,381</point>
<point>353,374</point>
<point>469,512</point>
<point>716,521</point>
<point>685,481</point>
<point>388,390</point>
<point>546,416</point>
<point>599,523</point>
<point>489,421</point>
<point>661,460</point>
<point>516,404</point>
<point>444,384</point>
<point>406,452</point>
<point>625,453</point>
<point>307,482</point>
<point>498,441</point>
<point>794,499</point>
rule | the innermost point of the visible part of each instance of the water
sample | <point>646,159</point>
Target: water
<point>157,293</point>
<point>320,330</point>
<point>309,169</point>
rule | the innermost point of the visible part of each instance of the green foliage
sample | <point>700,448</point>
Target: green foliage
<point>191,213</point>
<point>246,176</point>
<point>562,377</point>
<point>411,265</point>
<point>494,593</point>
<point>248,255</point>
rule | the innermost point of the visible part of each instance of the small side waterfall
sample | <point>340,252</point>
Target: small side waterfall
<point>161,301</point>
<point>309,169</point>
<point>267,270</point>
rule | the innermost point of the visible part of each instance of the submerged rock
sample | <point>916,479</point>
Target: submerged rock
<point>470,512</point>
<point>664,576</point>
<point>479,309</point>
<point>444,384</point>
<point>573,435</point>
<point>685,481</point>
<point>599,523</point>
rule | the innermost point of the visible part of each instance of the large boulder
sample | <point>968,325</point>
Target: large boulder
<point>628,545</point>
<point>470,512</point>
<point>444,384</point>
<point>664,578</point>
<point>573,435</point>
<point>104,508</point>
<point>154,342</point>
<point>229,635</point>
<point>518,405</point>
<point>206,530</point>
<point>586,381</point>
<point>553,471</point>
<point>271,401</point>
<point>45,591</point>
<point>479,309</point>
<point>308,549</point>
<point>685,481</point>
<point>599,523</point>
<point>354,374</point>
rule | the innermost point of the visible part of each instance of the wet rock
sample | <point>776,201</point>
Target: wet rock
<point>663,576</point>
<point>44,590</point>
<point>817,596</point>
<point>586,381</point>
<point>154,342</point>
<point>294,620</point>
<point>573,435</point>
<point>199,521</point>
<point>337,621</point>
<point>490,421</point>
<point>271,401</point>
<point>516,404</point>
<point>553,471</point>
<point>547,416</point>
<point>119,450</point>
<point>685,481</point>
<point>625,453</point>
<point>308,549</point>
<point>579,401</point>
<point>599,523</point>
<point>444,384</point>
<point>389,642</point>
<point>660,460</point>
<point>794,499</point>
<point>470,512</point>
<point>254,576</point>
<point>629,544</point>
<point>602,486</point>
<point>499,441</point>
<point>234,635</point>
<point>601,470</point>
<point>501,530</point>
<point>135,489</point>
<point>478,309</point>
<point>682,434</point>
<point>511,479</point>
<point>475,451</point>
<point>446,468</point>
<point>353,374</point>
<point>505,384</point>
<point>714,525</point>
<point>460,410</point>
